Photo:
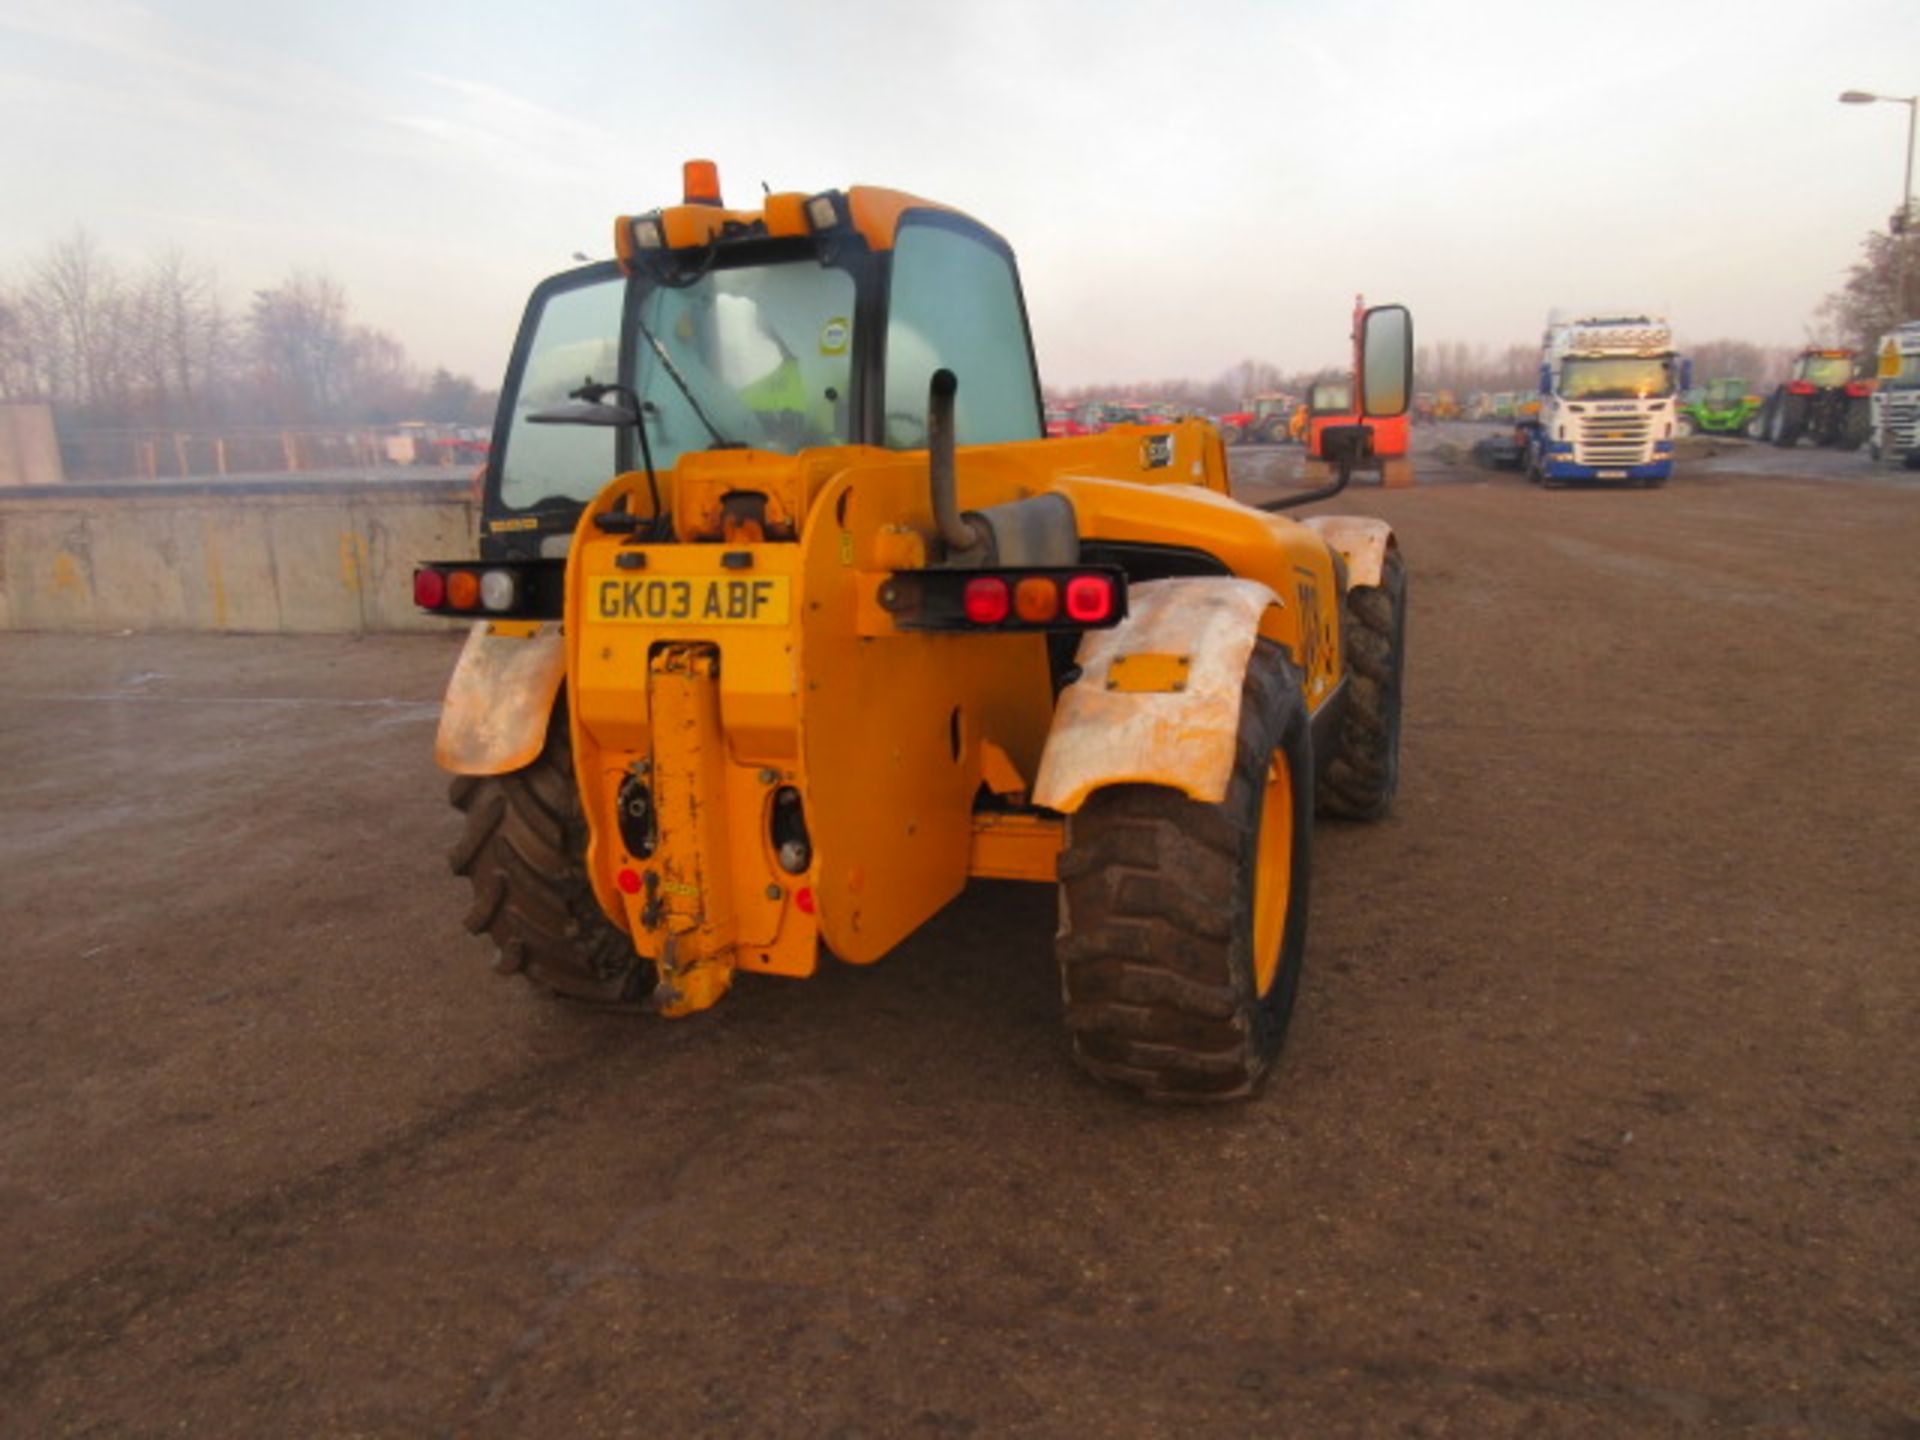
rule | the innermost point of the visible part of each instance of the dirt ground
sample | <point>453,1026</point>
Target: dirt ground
<point>1598,1116</point>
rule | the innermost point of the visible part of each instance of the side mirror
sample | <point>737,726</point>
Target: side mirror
<point>1686,373</point>
<point>1386,361</point>
<point>1546,379</point>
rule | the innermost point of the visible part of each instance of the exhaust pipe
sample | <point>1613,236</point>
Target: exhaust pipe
<point>957,533</point>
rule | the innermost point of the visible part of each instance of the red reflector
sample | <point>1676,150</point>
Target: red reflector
<point>429,589</point>
<point>629,881</point>
<point>803,897</point>
<point>985,600</point>
<point>1089,598</point>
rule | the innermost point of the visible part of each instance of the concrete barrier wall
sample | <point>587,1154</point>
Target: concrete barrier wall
<point>291,558</point>
<point>29,447</point>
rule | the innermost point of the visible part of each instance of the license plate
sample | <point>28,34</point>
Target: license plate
<point>1613,474</point>
<point>695,600</point>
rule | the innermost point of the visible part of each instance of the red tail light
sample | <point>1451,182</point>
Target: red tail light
<point>1090,598</point>
<point>429,589</point>
<point>985,600</point>
<point>1054,598</point>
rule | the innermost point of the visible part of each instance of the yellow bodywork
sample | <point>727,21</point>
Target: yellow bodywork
<point>722,671</point>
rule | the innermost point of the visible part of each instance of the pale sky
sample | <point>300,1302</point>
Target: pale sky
<point>1187,184</point>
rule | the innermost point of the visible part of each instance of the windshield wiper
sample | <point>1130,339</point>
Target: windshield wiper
<point>673,373</point>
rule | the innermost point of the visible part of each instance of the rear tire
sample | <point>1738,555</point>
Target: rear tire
<point>1359,782</point>
<point>1789,421</point>
<point>1161,897</point>
<point>1857,423</point>
<point>524,849</point>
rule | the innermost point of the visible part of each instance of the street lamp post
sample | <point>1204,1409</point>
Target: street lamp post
<point>1903,217</point>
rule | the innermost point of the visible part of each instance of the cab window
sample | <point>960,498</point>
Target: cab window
<point>576,338</point>
<point>955,305</point>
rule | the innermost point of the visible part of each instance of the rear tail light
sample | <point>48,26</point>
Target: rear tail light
<point>1005,600</point>
<point>1090,599</point>
<point>463,590</point>
<point>499,590</point>
<point>505,590</point>
<point>1036,599</point>
<point>984,600</point>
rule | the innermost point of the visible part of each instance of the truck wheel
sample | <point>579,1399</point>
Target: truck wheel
<point>1683,427</point>
<point>1182,924</point>
<point>1230,435</point>
<point>1359,782</point>
<point>524,849</point>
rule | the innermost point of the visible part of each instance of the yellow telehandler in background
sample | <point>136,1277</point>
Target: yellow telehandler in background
<point>789,620</point>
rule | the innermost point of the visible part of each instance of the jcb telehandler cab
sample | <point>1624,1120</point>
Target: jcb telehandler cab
<point>789,621</point>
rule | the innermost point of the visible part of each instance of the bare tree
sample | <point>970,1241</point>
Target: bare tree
<point>19,376</point>
<point>300,343</point>
<point>74,294</point>
<point>185,335</point>
<point>1882,290</point>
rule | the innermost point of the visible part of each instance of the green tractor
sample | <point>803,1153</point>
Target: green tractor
<point>1720,407</point>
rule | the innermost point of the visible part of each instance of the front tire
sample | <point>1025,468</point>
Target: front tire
<point>1360,780</point>
<point>1183,925</point>
<point>524,850</point>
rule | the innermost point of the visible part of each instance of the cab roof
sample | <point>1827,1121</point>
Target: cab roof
<point>701,219</point>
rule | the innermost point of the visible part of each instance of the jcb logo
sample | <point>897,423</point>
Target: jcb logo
<point>1309,597</point>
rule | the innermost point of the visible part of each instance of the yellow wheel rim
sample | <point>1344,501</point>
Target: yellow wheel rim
<point>1272,873</point>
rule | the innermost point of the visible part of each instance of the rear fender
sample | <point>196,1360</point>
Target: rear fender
<point>1361,543</point>
<point>500,699</point>
<point>1158,698</point>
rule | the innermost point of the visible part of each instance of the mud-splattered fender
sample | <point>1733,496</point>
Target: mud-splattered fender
<point>1360,541</point>
<point>1158,698</point>
<point>501,696</point>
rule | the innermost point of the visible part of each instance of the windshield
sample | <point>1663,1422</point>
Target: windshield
<point>1332,397</point>
<point>753,355</point>
<point>1724,394</point>
<point>1616,378</point>
<point>1828,371</point>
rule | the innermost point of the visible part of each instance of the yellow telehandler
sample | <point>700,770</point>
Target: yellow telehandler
<point>789,620</point>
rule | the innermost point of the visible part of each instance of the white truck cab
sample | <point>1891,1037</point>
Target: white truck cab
<point>1895,432</point>
<point>1608,389</point>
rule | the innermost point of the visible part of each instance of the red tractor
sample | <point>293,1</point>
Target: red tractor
<point>1823,399</point>
<point>1263,422</point>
